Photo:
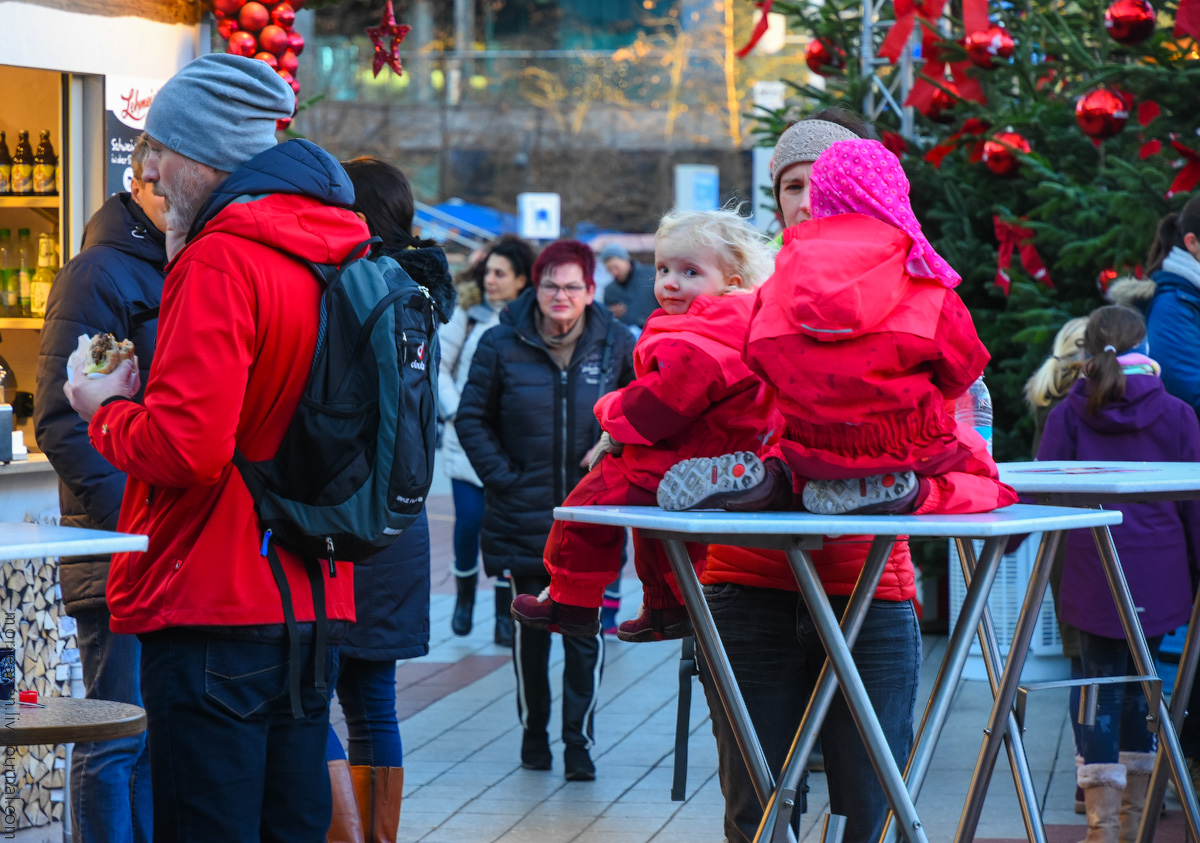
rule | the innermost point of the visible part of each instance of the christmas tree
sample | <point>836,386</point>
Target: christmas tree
<point>1049,136</point>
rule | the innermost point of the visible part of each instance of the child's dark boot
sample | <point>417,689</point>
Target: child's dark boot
<point>656,625</point>
<point>894,493</point>
<point>542,612</point>
<point>738,482</point>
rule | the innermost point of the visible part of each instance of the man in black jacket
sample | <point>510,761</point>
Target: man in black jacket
<point>114,285</point>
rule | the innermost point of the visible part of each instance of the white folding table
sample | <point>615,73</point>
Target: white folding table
<point>797,534</point>
<point>1094,483</point>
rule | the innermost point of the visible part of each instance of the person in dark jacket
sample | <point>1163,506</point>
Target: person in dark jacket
<point>526,423</point>
<point>114,285</point>
<point>391,589</point>
<point>630,296</point>
<point>1120,410</point>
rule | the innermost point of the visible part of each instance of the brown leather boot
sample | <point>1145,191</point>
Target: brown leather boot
<point>345,826</point>
<point>379,791</point>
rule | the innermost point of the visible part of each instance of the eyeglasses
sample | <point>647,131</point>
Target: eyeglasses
<point>551,291</point>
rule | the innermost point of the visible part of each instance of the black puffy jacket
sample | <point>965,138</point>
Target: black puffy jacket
<point>114,285</point>
<point>526,425</point>
<point>391,589</point>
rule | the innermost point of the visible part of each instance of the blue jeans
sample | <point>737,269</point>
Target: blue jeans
<point>1121,711</point>
<point>110,780</point>
<point>367,691</point>
<point>468,518</point>
<point>776,655</point>
<point>229,762</point>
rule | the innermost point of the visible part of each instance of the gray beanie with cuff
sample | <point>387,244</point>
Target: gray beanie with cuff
<point>613,250</point>
<point>802,143</point>
<point>220,110</point>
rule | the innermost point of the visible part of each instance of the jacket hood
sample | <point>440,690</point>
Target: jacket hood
<point>839,277</point>
<point>255,202</point>
<point>1132,292</point>
<point>428,267</point>
<point>722,319</point>
<point>120,224</point>
<point>1143,404</point>
<point>469,294</point>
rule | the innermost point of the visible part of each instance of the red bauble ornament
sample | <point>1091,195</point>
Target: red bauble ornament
<point>253,16</point>
<point>243,44</point>
<point>295,86</point>
<point>989,44</point>
<point>289,62</point>
<point>283,15</point>
<point>822,59</point>
<point>1101,113</point>
<point>282,124</point>
<point>296,4</point>
<point>1000,152</point>
<point>1106,277</point>
<point>295,41</point>
<point>227,27</point>
<point>941,102</point>
<point>1130,22</point>
<point>227,8</point>
<point>274,39</point>
<point>286,76</point>
<point>269,58</point>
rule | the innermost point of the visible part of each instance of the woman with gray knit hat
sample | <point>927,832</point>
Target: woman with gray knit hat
<point>768,635</point>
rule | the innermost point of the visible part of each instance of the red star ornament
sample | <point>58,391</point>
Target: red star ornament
<point>387,29</point>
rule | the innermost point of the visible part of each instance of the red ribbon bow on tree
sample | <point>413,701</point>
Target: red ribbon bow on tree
<point>1013,236</point>
<point>923,90</point>
<point>973,127</point>
<point>760,28</point>
<point>1187,19</point>
<point>1189,176</point>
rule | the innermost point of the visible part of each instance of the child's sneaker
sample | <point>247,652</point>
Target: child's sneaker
<point>738,481</point>
<point>541,612</point>
<point>656,625</point>
<point>892,493</point>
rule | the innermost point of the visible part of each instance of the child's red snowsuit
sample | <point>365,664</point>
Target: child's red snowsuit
<point>693,397</point>
<point>866,361</point>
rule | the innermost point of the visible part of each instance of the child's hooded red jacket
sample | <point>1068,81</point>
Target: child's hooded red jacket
<point>862,355</point>
<point>694,396</point>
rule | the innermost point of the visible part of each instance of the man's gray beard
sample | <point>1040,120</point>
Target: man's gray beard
<point>194,183</point>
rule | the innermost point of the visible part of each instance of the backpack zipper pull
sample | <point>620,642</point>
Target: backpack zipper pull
<point>266,541</point>
<point>329,550</point>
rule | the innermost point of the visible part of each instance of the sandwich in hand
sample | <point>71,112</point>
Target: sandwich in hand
<point>104,354</point>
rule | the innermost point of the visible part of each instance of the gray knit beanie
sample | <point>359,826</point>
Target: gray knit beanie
<point>802,143</point>
<point>220,110</point>
<point>613,250</point>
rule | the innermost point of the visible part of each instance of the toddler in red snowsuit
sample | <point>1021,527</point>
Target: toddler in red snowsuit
<point>866,345</point>
<point>693,396</point>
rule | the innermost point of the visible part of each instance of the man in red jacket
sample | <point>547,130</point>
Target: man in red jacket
<point>230,760</point>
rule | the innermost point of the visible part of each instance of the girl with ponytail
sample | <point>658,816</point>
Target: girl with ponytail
<point>1120,410</point>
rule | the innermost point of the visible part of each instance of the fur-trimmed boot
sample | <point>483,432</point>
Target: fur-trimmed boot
<point>345,826</point>
<point>379,791</point>
<point>1103,786</point>
<point>1138,767</point>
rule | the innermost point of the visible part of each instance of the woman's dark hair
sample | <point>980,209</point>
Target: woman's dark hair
<point>1111,331</point>
<point>383,195</point>
<point>563,252</point>
<point>847,119</point>
<point>519,253</point>
<point>1171,230</point>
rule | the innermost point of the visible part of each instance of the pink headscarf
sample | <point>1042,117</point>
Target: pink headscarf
<point>863,177</point>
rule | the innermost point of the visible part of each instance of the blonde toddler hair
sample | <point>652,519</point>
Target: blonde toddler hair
<point>740,249</point>
<point>1062,368</point>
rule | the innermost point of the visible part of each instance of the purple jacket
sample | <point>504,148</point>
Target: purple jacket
<point>1157,542</point>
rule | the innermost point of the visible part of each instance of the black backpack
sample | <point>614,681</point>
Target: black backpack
<point>356,463</point>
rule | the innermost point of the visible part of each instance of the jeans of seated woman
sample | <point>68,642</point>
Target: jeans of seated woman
<point>366,690</point>
<point>110,797</point>
<point>776,656</point>
<point>1121,709</point>
<point>468,516</point>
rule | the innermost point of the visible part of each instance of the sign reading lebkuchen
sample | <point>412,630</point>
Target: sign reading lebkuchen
<point>126,101</point>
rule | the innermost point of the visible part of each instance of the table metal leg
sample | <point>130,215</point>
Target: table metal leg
<point>778,813</point>
<point>1168,740</point>
<point>705,631</point>
<point>1035,831</point>
<point>1184,679</point>
<point>957,649</point>
<point>1007,691</point>
<point>855,694</point>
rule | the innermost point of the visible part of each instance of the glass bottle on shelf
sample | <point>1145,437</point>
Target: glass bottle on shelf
<point>22,166</point>
<point>43,277</point>
<point>45,167</point>
<point>6,163</point>
<point>25,269</point>
<point>7,275</point>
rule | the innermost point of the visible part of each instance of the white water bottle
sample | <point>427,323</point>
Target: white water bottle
<point>974,408</point>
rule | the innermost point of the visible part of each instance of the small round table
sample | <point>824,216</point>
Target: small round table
<point>68,720</point>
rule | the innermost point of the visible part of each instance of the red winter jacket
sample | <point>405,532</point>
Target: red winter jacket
<point>236,335</point>
<point>838,563</point>
<point>862,355</point>
<point>694,396</point>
